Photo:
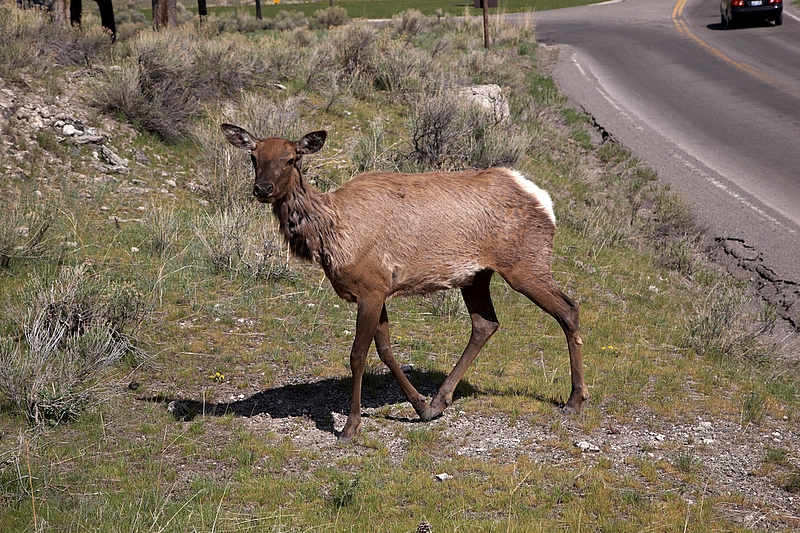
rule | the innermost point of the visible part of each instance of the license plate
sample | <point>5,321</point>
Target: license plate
<point>755,2</point>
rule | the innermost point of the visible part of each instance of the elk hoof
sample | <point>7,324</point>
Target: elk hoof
<point>429,414</point>
<point>348,432</point>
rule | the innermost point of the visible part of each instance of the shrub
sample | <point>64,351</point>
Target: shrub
<point>239,20</point>
<point>288,20</point>
<point>239,239</point>
<point>399,69</point>
<point>480,68</point>
<point>721,326</point>
<point>353,46</point>
<point>72,331</point>
<point>162,105</point>
<point>330,17</point>
<point>161,229</point>
<point>130,14</point>
<point>370,153</point>
<point>223,67</point>
<point>435,130</point>
<point>83,45</point>
<point>171,74</point>
<point>20,34</point>
<point>447,133</point>
<point>24,230</point>
<point>410,22</point>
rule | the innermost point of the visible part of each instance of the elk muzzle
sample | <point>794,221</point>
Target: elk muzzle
<point>264,192</point>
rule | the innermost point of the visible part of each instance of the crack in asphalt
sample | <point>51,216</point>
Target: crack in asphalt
<point>744,261</point>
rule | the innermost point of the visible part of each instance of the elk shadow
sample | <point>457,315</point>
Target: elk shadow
<point>315,400</point>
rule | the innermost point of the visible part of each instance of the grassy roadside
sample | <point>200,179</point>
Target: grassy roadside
<point>228,421</point>
<point>370,9</point>
<point>386,9</point>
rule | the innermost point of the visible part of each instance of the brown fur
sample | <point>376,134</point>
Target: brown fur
<point>383,234</point>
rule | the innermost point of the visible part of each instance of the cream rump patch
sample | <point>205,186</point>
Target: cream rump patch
<point>540,194</point>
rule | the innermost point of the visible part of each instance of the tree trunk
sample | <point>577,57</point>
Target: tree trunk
<point>165,14</point>
<point>61,10</point>
<point>201,8</point>
<point>258,9</point>
<point>106,16</point>
<point>485,23</point>
<point>75,9</point>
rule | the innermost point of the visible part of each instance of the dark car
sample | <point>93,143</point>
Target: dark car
<point>733,11</point>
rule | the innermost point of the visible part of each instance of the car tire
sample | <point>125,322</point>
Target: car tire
<point>779,20</point>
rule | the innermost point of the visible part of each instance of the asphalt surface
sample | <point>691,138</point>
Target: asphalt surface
<point>715,112</point>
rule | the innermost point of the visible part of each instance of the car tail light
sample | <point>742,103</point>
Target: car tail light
<point>775,1</point>
<point>737,3</point>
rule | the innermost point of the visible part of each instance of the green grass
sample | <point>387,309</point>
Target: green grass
<point>266,462</point>
<point>380,9</point>
<point>385,9</point>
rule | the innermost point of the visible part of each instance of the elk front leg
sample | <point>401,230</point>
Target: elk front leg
<point>484,324</point>
<point>384,347</point>
<point>369,312</point>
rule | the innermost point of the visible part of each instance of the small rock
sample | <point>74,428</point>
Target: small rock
<point>424,527</point>
<point>444,476</point>
<point>141,157</point>
<point>87,139</point>
<point>586,446</point>
<point>407,369</point>
<point>68,130</point>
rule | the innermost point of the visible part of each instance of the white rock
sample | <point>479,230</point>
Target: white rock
<point>489,97</point>
<point>68,130</point>
<point>444,476</point>
<point>586,446</point>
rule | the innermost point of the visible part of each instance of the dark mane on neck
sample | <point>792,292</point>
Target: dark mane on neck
<point>306,223</point>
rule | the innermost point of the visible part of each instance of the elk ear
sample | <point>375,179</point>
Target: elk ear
<point>311,143</point>
<point>239,137</point>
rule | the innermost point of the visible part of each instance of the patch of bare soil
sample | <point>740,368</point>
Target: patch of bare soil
<point>725,457</point>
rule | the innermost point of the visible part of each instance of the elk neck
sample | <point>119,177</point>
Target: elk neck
<point>307,222</point>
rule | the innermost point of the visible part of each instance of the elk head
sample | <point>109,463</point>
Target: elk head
<point>276,161</point>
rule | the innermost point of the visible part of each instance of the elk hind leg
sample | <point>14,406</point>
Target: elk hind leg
<point>384,347</point>
<point>484,323</point>
<point>542,290</point>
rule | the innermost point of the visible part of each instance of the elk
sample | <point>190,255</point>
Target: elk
<point>384,234</point>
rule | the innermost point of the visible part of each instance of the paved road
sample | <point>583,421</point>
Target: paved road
<point>715,112</point>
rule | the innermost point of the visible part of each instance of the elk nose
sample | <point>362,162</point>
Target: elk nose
<point>263,190</point>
